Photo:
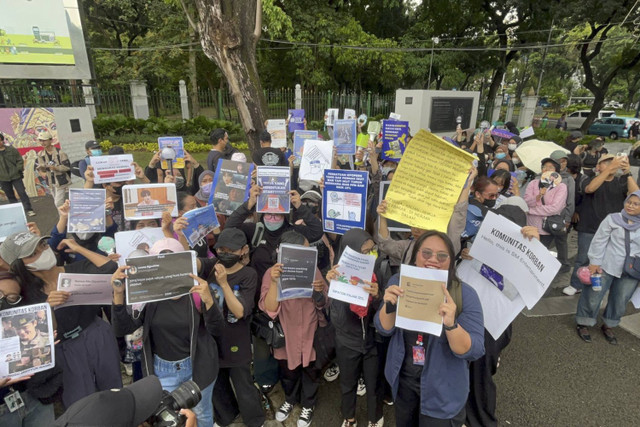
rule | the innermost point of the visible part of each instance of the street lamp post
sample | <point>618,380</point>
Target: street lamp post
<point>434,42</point>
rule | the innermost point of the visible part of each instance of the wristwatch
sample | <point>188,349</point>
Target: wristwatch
<point>452,327</point>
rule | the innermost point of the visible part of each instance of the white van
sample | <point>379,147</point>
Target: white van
<point>577,118</point>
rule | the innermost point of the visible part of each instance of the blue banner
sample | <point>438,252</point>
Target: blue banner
<point>344,200</point>
<point>296,120</point>
<point>394,139</point>
<point>344,136</point>
<point>299,137</point>
<point>201,221</point>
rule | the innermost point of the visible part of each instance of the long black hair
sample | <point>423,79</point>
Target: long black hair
<point>31,287</point>
<point>448,244</point>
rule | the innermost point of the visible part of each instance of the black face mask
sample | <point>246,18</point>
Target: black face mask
<point>490,203</point>
<point>117,190</point>
<point>228,260</point>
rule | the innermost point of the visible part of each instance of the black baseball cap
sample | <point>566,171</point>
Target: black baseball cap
<point>126,407</point>
<point>91,144</point>
<point>231,238</point>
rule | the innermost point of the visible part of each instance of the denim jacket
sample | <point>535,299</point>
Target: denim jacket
<point>444,385</point>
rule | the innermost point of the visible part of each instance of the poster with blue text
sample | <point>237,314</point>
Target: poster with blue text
<point>394,139</point>
<point>344,200</point>
<point>344,136</point>
<point>296,120</point>
<point>275,182</point>
<point>299,137</point>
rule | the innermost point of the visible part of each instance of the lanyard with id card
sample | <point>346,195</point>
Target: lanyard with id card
<point>14,401</point>
<point>419,351</point>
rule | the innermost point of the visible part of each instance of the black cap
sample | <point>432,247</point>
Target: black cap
<point>265,136</point>
<point>128,406</point>
<point>549,159</point>
<point>91,144</point>
<point>231,238</point>
<point>116,149</point>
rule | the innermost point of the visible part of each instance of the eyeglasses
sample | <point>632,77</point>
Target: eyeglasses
<point>491,196</point>
<point>440,256</point>
<point>632,204</point>
<point>12,299</point>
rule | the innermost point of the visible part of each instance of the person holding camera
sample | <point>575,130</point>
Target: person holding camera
<point>11,174</point>
<point>56,165</point>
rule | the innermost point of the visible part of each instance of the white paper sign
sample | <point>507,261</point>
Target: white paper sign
<point>349,114</point>
<point>316,157</point>
<point>332,116</point>
<point>12,220</point>
<point>278,131</point>
<point>527,132</point>
<point>86,289</point>
<point>526,263</point>
<point>116,168</point>
<point>136,240</point>
<point>498,310</point>
<point>423,294</point>
<point>354,268</point>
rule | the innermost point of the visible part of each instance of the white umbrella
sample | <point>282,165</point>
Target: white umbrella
<point>532,152</point>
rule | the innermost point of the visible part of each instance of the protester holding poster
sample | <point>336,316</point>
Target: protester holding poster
<point>345,200</point>
<point>395,135</point>
<point>299,318</point>
<point>429,376</point>
<point>89,354</point>
<point>356,350</point>
<point>168,353</point>
<point>266,155</point>
<point>276,185</point>
<point>230,185</point>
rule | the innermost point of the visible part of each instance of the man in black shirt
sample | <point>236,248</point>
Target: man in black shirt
<point>219,139</point>
<point>267,156</point>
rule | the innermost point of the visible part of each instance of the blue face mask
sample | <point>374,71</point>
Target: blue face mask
<point>96,152</point>
<point>501,155</point>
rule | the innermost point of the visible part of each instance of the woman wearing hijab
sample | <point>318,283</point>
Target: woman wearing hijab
<point>356,350</point>
<point>607,255</point>
<point>205,182</point>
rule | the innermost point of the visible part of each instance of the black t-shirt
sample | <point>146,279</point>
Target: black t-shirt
<point>607,199</point>
<point>591,160</point>
<point>410,372</point>
<point>212,159</point>
<point>171,329</point>
<point>267,156</point>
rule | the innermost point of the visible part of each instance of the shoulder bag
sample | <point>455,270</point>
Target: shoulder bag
<point>631,263</point>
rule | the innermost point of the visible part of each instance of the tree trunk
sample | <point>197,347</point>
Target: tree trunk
<point>229,32</point>
<point>193,76</point>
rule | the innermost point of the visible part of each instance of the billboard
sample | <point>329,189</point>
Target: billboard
<point>34,32</point>
<point>21,127</point>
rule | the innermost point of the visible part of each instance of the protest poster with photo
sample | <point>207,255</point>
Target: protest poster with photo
<point>394,139</point>
<point>202,221</point>
<point>316,157</point>
<point>296,120</point>
<point>499,308</point>
<point>298,271</point>
<point>353,269</point>
<point>299,137</point>
<point>392,224</point>
<point>85,289</point>
<point>418,306</point>
<point>116,168</point>
<point>276,184</point>
<point>26,344</point>
<point>160,277</point>
<point>344,200</point>
<point>148,201</point>
<point>139,241</point>
<point>12,220</point>
<point>427,183</point>
<point>349,114</point>
<point>394,116</point>
<point>344,136</point>
<point>278,131</point>
<point>87,210</point>
<point>231,185</point>
<point>332,116</point>
<point>527,264</point>
<point>177,145</point>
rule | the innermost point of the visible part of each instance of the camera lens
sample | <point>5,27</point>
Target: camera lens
<point>187,395</point>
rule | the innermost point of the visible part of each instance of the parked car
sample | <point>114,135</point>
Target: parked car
<point>544,103</point>
<point>613,127</point>
<point>577,118</point>
<point>614,104</point>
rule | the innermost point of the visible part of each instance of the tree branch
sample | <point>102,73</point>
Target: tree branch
<point>190,19</point>
<point>257,31</point>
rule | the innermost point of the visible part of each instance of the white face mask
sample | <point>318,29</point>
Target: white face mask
<point>46,261</point>
<point>515,160</point>
<point>84,236</point>
<point>512,147</point>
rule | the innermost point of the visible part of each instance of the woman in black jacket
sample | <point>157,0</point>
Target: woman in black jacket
<point>356,350</point>
<point>168,353</point>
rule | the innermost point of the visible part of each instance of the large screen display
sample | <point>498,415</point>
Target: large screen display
<point>35,32</point>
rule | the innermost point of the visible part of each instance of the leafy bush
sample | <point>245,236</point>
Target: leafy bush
<point>558,136</point>
<point>190,146</point>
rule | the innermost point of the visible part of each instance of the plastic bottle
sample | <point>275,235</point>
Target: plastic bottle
<point>231,318</point>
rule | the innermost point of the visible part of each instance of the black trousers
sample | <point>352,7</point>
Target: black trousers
<point>8,186</point>
<point>382,344</point>
<point>246,399</point>
<point>301,384</point>
<point>481,404</point>
<point>353,363</point>
<point>407,408</point>
<point>562,247</point>
<point>265,367</point>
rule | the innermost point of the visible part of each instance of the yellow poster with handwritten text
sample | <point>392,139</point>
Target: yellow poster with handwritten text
<point>427,182</point>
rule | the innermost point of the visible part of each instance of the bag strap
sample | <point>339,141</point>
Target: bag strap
<point>627,241</point>
<point>456,293</point>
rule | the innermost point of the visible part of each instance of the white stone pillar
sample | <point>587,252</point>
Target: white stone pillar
<point>184,100</point>
<point>510,107</point>
<point>89,100</point>
<point>139,100</point>
<point>528,109</point>
<point>298,97</point>
<point>497,105</point>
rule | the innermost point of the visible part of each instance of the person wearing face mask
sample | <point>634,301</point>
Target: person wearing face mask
<point>356,350</point>
<point>93,149</point>
<point>234,392</point>
<point>174,228</point>
<point>205,183</point>
<point>545,198</point>
<point>429,375</point>
<point>88,353</point>
<point>508,184</point>
<point>485,194</point>
<point>186,179</point>
<point>170,353</point>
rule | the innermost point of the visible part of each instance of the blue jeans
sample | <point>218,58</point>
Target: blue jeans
<point>620,291</point>
<point>582,258</point>
<point>32,414</point>
<point>172,374</point>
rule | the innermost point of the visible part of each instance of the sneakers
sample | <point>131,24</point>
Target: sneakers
<point>332,372</point>
<point>347,423</point>
<point>284,411</point>
<point>306,415</point>
<point>571,291</point>
<point>583,332</point>
<point>362,389</point>
<point>608,334</point>
<point>378,423</point>
<point>31,213</point>
<point>388,401</point>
